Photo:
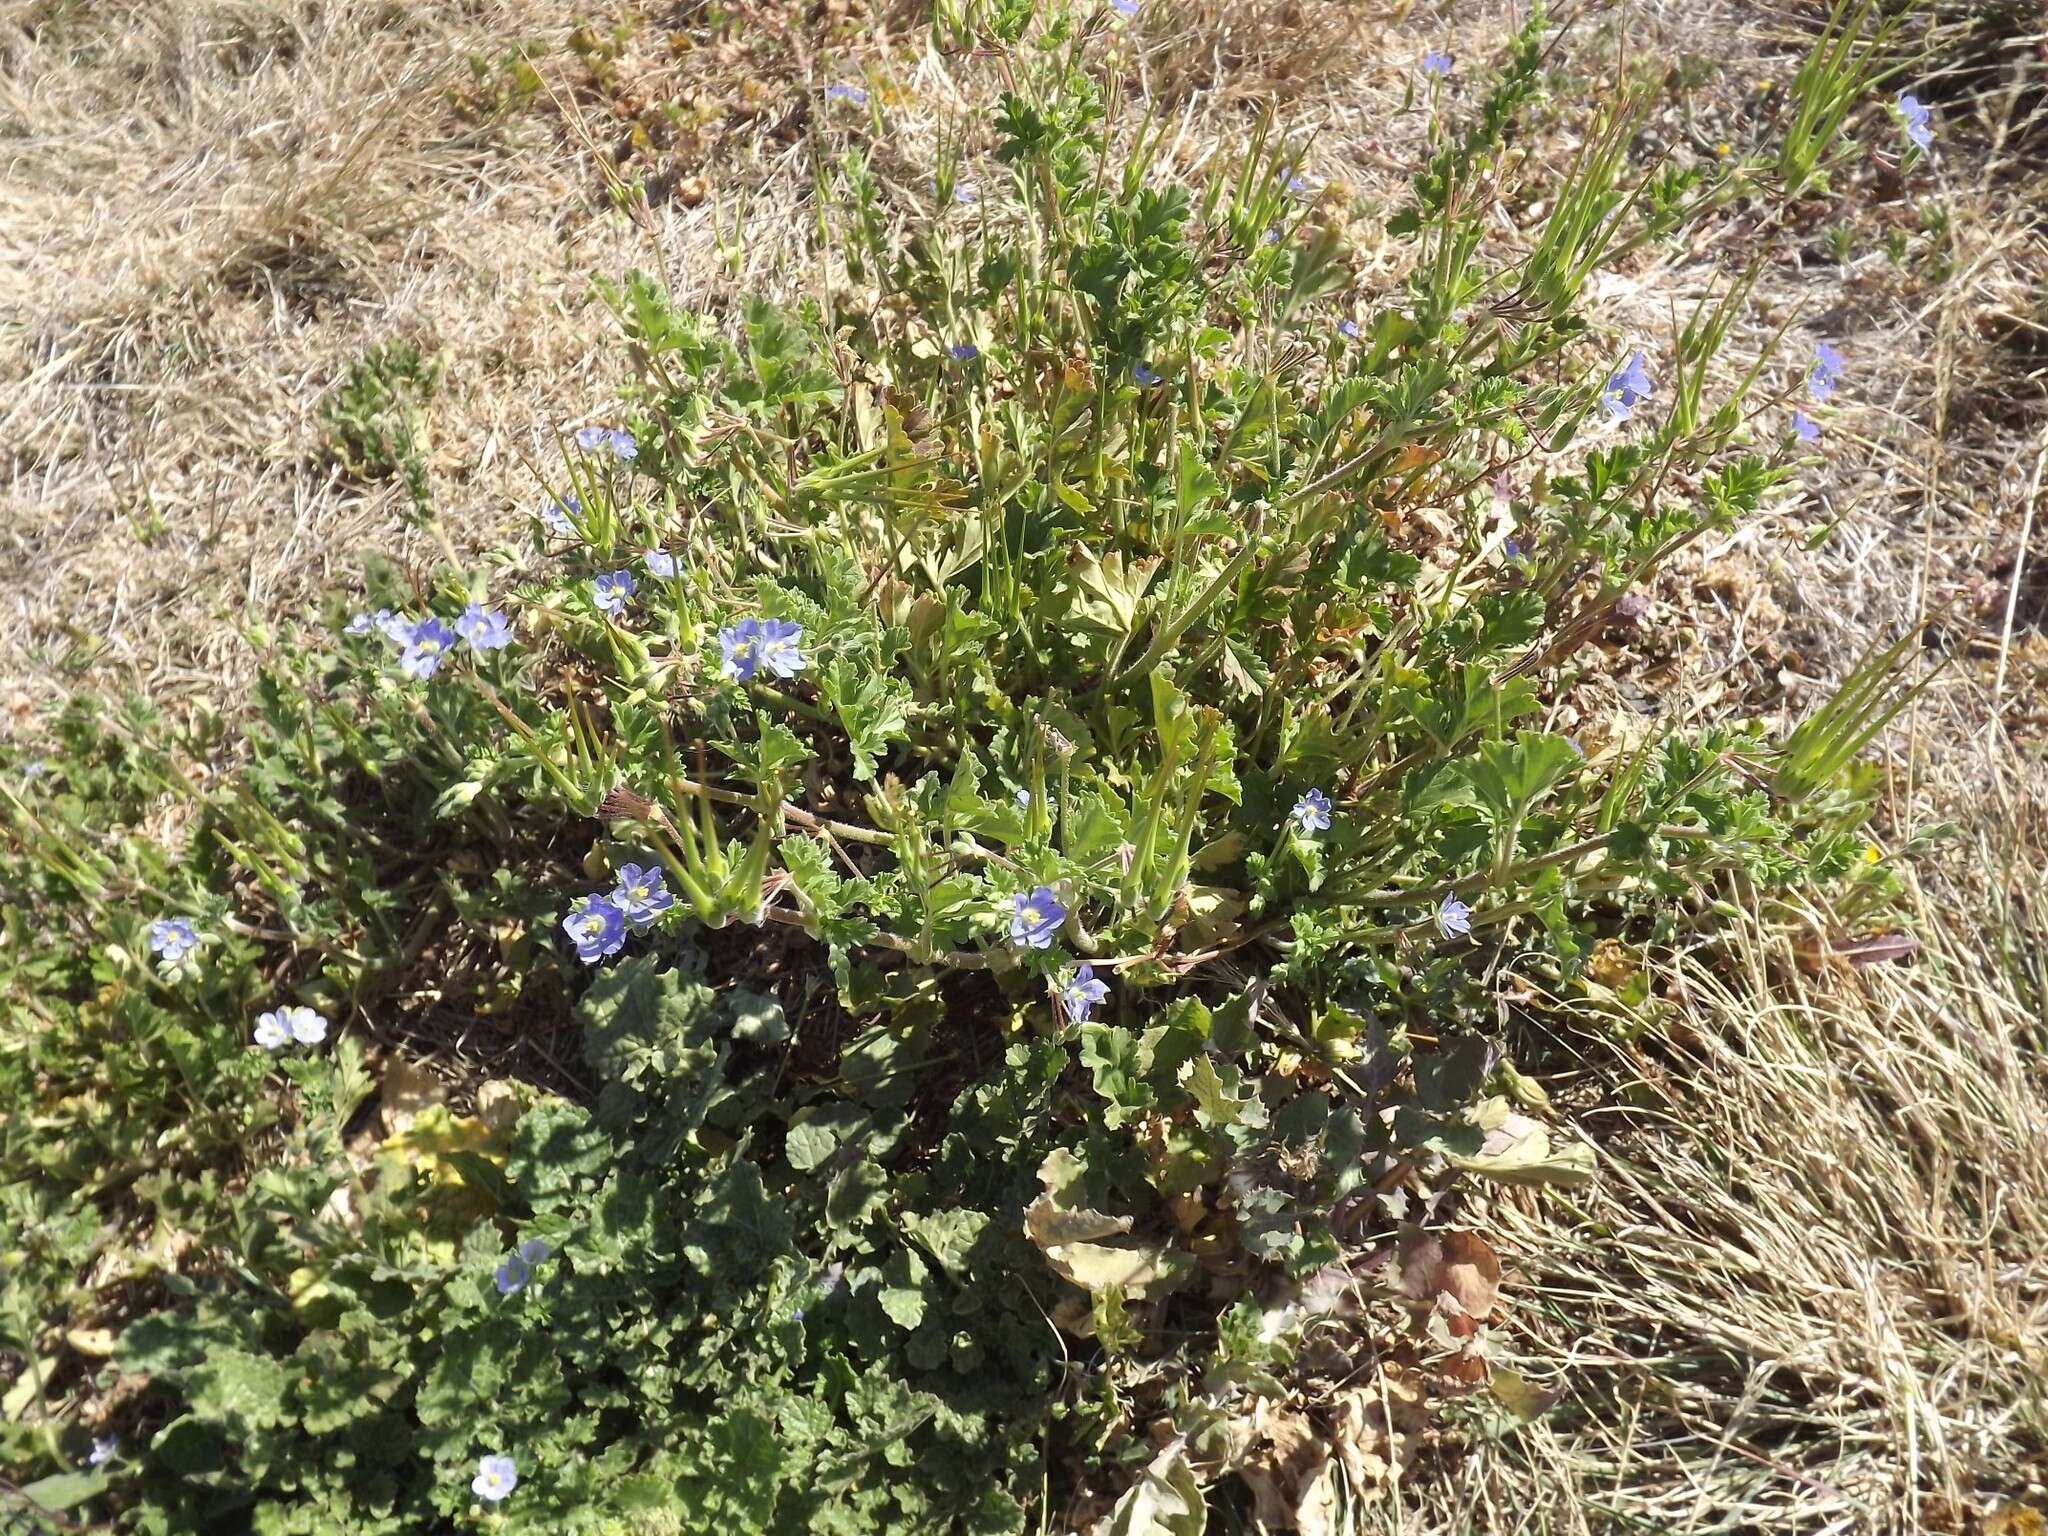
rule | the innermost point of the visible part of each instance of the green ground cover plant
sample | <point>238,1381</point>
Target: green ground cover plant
<point>1020,779</point>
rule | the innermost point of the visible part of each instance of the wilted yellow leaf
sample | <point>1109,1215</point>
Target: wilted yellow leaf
<point>1518,1150</point>
<point>407,1089</point>
<point>1139,1270</point>
<point>96,1342</point>
<point>1165,1501</point>
<point>1522,1397</point>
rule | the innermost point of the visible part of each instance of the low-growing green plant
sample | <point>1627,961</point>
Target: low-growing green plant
<point>1033,772</point>
<point>376,419</point>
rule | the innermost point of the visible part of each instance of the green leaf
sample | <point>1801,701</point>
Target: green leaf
<point>246,1389</point>
<point>756,1017</point>
<point>856,1192</point>
<point>1219,1101</point>
<point>948,1236</point>
<point>1509,777</point>
<point>64,1490</point>
<point>873,706</point>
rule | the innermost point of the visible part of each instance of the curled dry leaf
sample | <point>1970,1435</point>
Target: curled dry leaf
<point>1048,1225</point>
<point>1518,1150</point>
<point>1458,1266</point>
<point>499,1103</point>
<point>1298,1470</point>
<point>1522,1397</point>
<point>1876,948</point>
<point>1165,1501</point>
<point>1378,1429</point>
<point>1070,1236</point>
<point>1285,1461</point>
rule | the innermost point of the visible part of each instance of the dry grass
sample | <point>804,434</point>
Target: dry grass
<point>1810,1289</point>
<point>1808,1292</point>
<point>212,208</point>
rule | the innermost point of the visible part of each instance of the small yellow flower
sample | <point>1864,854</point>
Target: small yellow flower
<point>1870,853</point>
<point>1722,148</point>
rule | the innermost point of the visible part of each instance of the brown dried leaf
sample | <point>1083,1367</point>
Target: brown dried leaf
<point>1876,948</point>
<point>1378,1429</point>
<point>1458,1265</point>
<point>1282,1460</point>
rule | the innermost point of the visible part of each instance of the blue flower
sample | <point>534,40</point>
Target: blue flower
<point>596,928</point>
<point>1311,812</point>
<point>1023,799</point>
<point>780,646</point>
<point>1144,375</point>
<point>752,644</point>
<point>617,442</point>
<point>1348,329</point>
<point>1511,549</point>
<point>641,896</point>
<point>173,938</point>
<point>485,629</point>
<point>1035,916</point>
<point>1805,427</point>
<point>660,563</point>
<point>556,514</point>
<point>964,351</point>
<point>1917,120</point>
<point>1627,389</point>
<point>391,626</point>
<point>496,1476</point>
<point>1453,918</point>
<point>513,1274</point>
<point>740,649</point>
<point>1827,371</point>
<point>1124,8</point>
<point>282,1026</point>
<point>1081,993</point>
<point>102,1451</point>
<point>610,592</point>
<point>426,648</point>
<point>843,92</point>
<point>1438,64</point>
<point>517,1268</point>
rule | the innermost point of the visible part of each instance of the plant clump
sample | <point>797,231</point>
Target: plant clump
<point>1000,814</point>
